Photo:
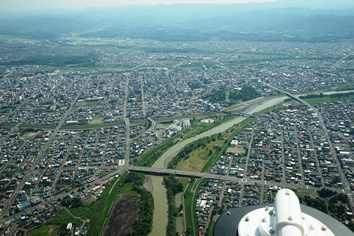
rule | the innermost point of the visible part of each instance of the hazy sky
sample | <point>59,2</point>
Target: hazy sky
<point>31,5</point>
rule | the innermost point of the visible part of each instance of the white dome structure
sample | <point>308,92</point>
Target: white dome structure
<point>284,219</point>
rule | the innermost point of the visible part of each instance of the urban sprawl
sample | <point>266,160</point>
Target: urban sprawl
<point>72,130</point>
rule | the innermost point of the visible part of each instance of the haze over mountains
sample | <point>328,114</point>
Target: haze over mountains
<point>276,21</point>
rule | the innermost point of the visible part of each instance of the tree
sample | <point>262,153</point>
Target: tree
<point>325,193</point>
<point>173,186</point>
<point>71,202</point>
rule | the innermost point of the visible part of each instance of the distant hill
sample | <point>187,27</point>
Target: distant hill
<point>195,22</point>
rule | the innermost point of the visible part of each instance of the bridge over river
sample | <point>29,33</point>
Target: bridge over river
<point>205,175</point>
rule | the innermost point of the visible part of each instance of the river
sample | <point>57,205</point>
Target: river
<point>159,190</point>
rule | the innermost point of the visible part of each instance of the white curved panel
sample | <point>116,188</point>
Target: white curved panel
<point>288,212</point>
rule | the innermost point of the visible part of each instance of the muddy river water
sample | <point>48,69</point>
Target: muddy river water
<point>158,189</point>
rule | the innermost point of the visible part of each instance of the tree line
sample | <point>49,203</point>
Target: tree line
<point>321,95</point>
<point>173,187</point>
<point>246,93</point>
<point>330,202</point>
<point>143,224</point>
<point>184,154</point>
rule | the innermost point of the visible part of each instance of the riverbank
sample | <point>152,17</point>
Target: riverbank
<point>159,190</point>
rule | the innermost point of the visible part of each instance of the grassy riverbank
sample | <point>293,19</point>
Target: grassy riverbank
<point>320,98</point>
<point>191,190</point>
<point>136,219</point>
<point>190,201</point>
<point>98,216</point>
<point>197,127</point>
<point>201,156</point>
<point>203,153</point>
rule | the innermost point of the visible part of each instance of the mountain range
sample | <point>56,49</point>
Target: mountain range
<point>189,22</point>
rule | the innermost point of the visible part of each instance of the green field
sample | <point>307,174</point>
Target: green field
<point>199,157</point>
<point>63,218</point>
<point>316,99</point>
<point>60,61</point>
<point>211,228</point>
<point>84,212</point>
<point>326,99</point>
<point>201,127</point>
<point>127,188</point>
<point>184,181</point>
<point>190,204</point>
<point>102,207</point>
<point>227,137</point>
<point>44,230</point>
<point>339,87</point>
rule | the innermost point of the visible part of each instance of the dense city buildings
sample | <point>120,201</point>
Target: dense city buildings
<point>73,122</point>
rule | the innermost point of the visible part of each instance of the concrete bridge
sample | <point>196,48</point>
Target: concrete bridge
<point>205,175</point>
<point>190,174</point>
<point>287,94</point>
<point>236,113</point>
